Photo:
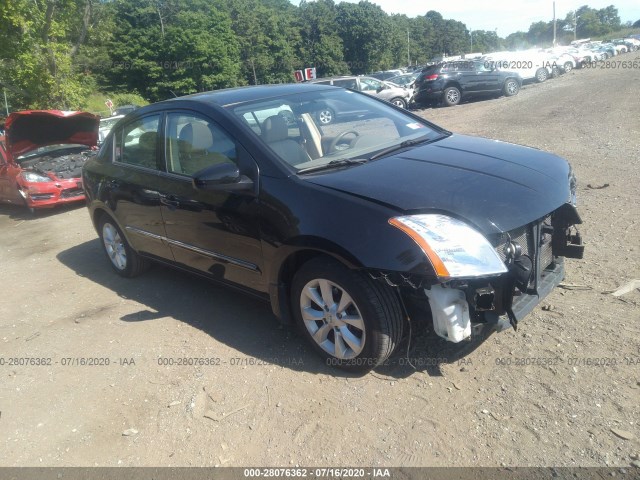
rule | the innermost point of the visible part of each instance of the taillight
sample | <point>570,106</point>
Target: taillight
<point>430,78</point>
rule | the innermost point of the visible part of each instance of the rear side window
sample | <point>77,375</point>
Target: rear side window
<point>195,143</point>
<point>137,142</point>
<point>349,83</point>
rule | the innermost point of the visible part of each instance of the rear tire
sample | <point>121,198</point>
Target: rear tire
<point>568,66</point>
<point>542,75</point>
<point>351,320</point>
<point>123,259</point>
<point>451,96</point>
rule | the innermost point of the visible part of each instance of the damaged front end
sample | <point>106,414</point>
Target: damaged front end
<point>63,165</point>
<point>476,288</point>
<point>53,178</point>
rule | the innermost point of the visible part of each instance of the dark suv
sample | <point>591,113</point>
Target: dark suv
<point>450,82</point>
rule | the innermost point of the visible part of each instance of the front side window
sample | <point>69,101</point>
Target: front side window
<point>137,142</point>
<point>194,143</point>
<point>370,84</point>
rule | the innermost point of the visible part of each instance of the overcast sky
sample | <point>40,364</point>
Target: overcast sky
<point>507,17</point>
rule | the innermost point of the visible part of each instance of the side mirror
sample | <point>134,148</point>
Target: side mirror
<point>223,176</point>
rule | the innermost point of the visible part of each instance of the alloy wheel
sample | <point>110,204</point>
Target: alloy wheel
<point>114,246</point>
<point>332,319</point>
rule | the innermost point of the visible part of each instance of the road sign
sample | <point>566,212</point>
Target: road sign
<point>310,73</point>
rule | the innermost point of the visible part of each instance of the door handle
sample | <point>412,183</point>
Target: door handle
<point>170,201</point>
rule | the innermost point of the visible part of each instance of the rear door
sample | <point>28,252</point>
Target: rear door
<point>135,182</point>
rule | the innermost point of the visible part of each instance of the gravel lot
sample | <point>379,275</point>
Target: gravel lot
<point>489,405</point>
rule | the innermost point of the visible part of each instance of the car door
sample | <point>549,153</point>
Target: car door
<point>8,185</point>
<point>134,182</point>
<point>214,231</point>
<point>487,79</point>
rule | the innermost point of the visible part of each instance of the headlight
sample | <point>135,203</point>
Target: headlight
<point>573,183</point>
<point>34,177</point>
<point>454,249</point>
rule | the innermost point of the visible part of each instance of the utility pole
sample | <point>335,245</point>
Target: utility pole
<point>408,56</point>
<point>471,34</point>
<point>554,24</point>
<point>575,25</point>
<point>6,105</point>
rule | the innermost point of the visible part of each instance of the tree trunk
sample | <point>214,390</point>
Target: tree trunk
<point>51,5</point>
<point>86,19</point>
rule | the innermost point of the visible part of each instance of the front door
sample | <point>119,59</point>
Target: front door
<point>213,231</point>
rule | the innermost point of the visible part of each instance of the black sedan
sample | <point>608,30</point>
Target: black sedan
<point>451,82</point>
<point>351,230</point>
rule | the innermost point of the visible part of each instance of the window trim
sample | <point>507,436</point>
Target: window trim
<point>120,131</point>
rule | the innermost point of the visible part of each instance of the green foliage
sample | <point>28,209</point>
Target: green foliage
<point>57,52</point>
<point>364,29</point>
<point>36,67</point>
<point>95,102</point>
<point>320,45</point>
<point>163,48</point>
<point>585,22</point>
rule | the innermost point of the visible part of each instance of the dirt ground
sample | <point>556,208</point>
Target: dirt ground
<point>268,400</point>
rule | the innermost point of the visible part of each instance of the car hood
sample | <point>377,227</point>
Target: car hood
<point>28,130</point>
<point>493,185</point>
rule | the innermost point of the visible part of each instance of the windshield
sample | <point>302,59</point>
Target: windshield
<point>50,148</point>
<point>313,129</point>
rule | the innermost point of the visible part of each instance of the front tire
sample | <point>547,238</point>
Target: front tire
<point>399,102</point>
<point>326,116</point>
<point>124,260</point>
<point>511,87</point>
<point>451,96</point>
<point>351,320</point>
<point>568,66</point>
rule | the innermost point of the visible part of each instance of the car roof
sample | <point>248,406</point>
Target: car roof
<point>231,96</point>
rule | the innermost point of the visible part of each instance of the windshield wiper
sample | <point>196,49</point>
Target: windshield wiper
<point>334,164</point>
<point>405,144</point>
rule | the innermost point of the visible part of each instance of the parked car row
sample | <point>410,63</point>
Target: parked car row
<point>503,73</point>
<point>395,94</point>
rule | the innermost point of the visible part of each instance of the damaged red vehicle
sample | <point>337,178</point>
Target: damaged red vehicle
<point>42,154</point>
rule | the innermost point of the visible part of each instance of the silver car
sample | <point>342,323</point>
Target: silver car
<point>399,96</point>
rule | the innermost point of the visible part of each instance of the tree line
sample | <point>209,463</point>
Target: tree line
<point>55,53</point>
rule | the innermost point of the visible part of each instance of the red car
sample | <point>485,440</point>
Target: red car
<point>42,154</point>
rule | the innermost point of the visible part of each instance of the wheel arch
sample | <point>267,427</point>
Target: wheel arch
<point>99,213</point>
<point>517,79</point>
<point>453,83</point>
<point>288,261</point>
